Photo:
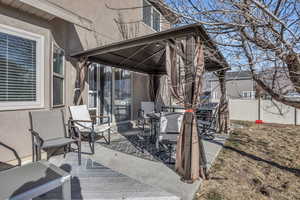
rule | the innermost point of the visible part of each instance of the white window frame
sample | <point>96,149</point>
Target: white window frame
<point>249,94</point>
<point>62,76</point>
<point>40,61</point>
<point>151,16</point>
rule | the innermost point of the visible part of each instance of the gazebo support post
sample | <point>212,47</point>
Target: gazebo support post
<point>82,77</point>
<point>190,155</point>
<point>223,118</point>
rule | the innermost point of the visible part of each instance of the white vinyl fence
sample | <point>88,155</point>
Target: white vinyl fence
<point>265,110</point>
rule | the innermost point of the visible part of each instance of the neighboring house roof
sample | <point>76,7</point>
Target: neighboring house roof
<point>234,75</point>
<point>165,10</point>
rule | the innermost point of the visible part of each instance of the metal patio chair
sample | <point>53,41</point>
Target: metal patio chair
<point>147,107</point>
<point>207,116</point>
<point>88,128</point>
<point>48,130</point>
<point>170,125</point>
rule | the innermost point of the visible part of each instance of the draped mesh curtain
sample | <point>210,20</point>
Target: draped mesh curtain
<point>159,91</point>
<point>185,68</point>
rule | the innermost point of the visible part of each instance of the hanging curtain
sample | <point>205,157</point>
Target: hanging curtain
<point>185,68</point>
<point>154,86</point>
<point>163,94</point>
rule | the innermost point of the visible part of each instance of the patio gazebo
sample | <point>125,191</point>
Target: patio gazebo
<point>181,55</point>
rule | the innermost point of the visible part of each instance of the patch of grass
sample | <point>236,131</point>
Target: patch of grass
<point>214,195</point>
<point>262,162</point>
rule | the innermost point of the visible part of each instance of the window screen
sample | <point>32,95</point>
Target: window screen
<point>156,20</point>
<point>146,13</point>
<point>17,69</point>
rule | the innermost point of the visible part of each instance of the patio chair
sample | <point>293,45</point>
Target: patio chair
<point>32,180</point>
<point>48,130</point>
<point>207,116</point>
<point>170,125</point>
<point>147,107</point>
<point>87,127</point>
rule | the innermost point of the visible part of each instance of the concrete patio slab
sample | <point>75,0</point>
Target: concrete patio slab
<point>94,181</point>
<point>153,173</point>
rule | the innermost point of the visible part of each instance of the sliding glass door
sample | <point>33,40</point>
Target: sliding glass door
<point>105,92</point>
<point>122,95</point>
<point>110,92</point>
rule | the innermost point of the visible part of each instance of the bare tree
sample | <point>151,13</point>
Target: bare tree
<point>261,36</point>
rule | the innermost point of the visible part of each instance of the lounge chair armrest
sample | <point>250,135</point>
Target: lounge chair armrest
<point>39,140</point>
<point>85,121</point>
<point>91,121</point>
<point>102,117</point>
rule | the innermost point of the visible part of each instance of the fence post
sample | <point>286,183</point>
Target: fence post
<point>295,117</point>
<point>259,105</point>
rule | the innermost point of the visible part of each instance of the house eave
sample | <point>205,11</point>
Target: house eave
<point>48,10</point>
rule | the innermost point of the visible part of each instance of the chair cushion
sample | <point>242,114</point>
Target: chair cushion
<point>168,138</point>
<point>171,122</point>
<point>57,142</point>
<point>48,124</point>
<point>80,112</point>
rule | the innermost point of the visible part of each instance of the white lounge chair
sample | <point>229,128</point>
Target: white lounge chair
<point>88,128</point>
<point>170,125</point>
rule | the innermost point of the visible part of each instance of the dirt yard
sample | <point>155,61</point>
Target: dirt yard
<point>257,162</point>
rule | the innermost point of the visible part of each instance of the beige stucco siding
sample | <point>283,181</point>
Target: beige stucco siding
<point>72,38</point>
<point>14,125</point>
<point>234,88</point>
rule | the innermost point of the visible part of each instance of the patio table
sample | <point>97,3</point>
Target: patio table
<point>32,180</point>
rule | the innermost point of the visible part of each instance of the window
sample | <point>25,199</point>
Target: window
<point>151,16</point>
<point>156,20</point>
<point>58,76</point>
<point>147,13</point>
<point>248,94</point>
<point>21,66</point>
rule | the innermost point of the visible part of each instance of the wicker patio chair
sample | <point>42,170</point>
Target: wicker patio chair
<point>88,128</point>
<point>48,130</point>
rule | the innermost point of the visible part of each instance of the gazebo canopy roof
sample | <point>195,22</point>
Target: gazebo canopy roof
<point>146,54</point>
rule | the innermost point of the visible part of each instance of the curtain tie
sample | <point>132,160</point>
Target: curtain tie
<point>189,110</point>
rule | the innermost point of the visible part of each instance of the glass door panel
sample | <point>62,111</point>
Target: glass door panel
<point>105,91</point>
<point>122,95</point>
<point>93,89</point>
<point>109,93</point>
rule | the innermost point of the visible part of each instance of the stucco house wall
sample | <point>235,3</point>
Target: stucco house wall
<point>14,124</point>
<point>234,88</point>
